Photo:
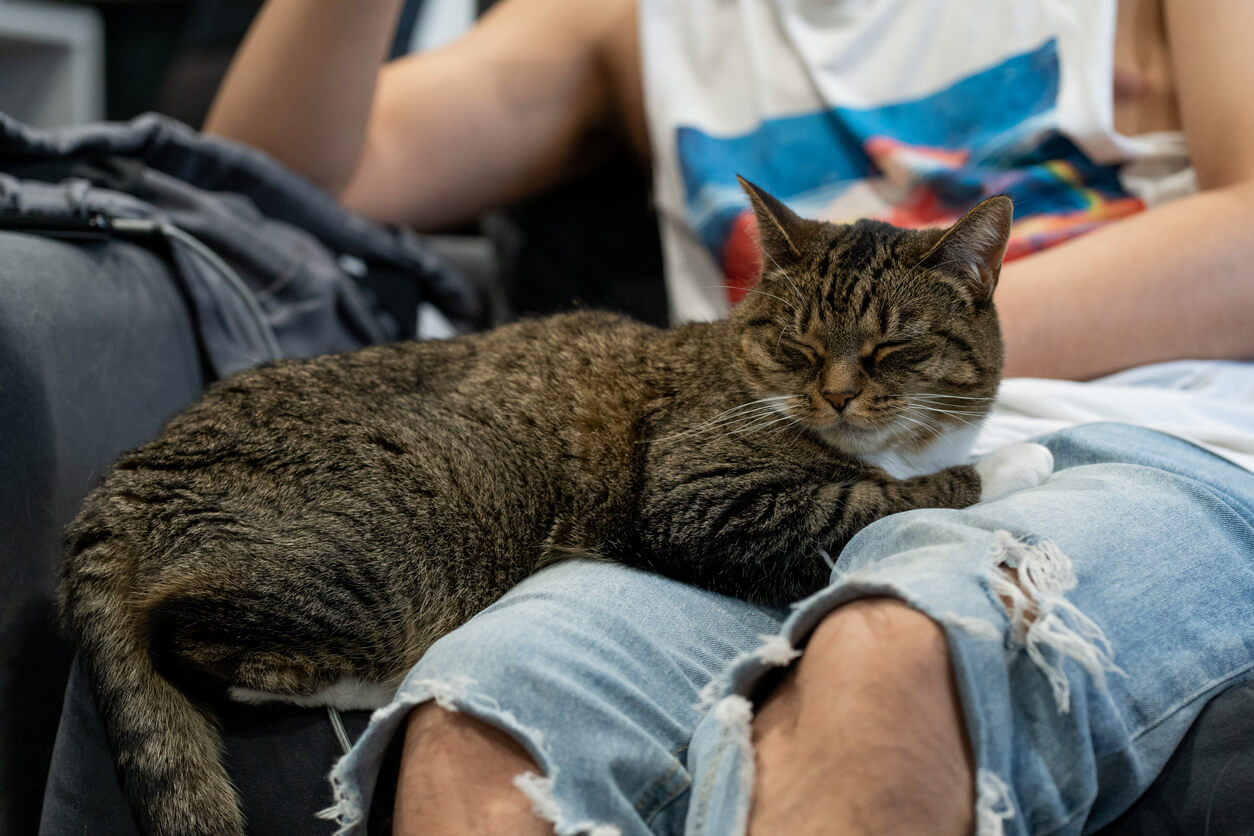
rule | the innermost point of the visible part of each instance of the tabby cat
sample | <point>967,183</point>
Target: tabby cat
<point>318,521</point>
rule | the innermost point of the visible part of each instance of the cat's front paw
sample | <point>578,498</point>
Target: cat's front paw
<point>1013,468</point>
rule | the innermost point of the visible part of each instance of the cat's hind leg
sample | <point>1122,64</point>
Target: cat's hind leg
<point>284,635</point>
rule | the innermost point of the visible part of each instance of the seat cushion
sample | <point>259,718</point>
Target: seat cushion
<point>96,351</point>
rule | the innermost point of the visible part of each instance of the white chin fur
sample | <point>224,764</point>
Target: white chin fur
<point>946,450</point>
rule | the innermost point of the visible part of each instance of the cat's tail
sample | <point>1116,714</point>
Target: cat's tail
<point>168,749</point>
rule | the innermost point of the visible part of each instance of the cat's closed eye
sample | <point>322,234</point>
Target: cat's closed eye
<point>800,352</point>
<point>882,351</point>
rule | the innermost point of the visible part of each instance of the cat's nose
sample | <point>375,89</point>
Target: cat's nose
<point>841,399</point>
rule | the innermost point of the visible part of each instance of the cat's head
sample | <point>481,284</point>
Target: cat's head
<point>871,336</point>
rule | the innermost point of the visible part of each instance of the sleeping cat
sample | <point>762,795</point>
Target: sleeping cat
<point>319,521</point>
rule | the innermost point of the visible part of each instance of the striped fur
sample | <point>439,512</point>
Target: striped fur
<point>323,519</point>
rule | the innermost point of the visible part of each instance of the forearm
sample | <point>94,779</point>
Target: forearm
<point>1169,283</point>
<point>302,83</point>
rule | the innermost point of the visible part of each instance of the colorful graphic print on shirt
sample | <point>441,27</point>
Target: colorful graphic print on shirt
<point>914,163</point>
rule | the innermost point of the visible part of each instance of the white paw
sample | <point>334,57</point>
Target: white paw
<point>1013,468</point>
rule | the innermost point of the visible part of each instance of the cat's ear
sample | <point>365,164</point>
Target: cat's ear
<point>781,231</point>
<point>972,249</point>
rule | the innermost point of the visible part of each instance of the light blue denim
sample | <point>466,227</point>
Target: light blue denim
<point>1133,572</point>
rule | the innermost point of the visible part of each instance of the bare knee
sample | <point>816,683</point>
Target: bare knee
<point>873,699</point>
<point>457,776</point>
<point>454,734</point>
<point>883,632</point>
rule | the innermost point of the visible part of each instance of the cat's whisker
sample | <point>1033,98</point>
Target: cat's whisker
<point>918,431</point>
<point>921,421</point>
<point>943,395</point>
<point>954,415</point>
<point>761,425</point>
<point>744,413</point>
<point>929,412</point>
<point>769,401</point>
<point>745,420</point>
<point>732,415</point>
<point>758,422</point>
<point>934,408</point>
<point>944,406</point>
<point>974,413</point>
<point>977,411</point>
<point>933,424</point>
<point>780,430</point>
<point>731,421</point>
<point>740,410</point>
<point>765,405</point>
<point>774,414</point>
<point>979,408</point>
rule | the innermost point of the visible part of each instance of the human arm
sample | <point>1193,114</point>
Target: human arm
<point>531,93</point>
<point>301,85</point>
<point>1171,282</point>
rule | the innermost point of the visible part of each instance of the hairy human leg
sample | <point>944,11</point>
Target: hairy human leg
<point>457,777</point>
<point>865,733</point>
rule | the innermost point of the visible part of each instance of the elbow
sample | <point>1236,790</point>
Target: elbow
<point>299,157</point>
<point>1239,197</point>
<point>330,169</point>
<point>1234,174</point>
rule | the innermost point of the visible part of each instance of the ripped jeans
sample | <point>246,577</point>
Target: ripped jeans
<point>1088,622</point>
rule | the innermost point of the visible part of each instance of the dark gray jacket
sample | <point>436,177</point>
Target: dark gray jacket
<point>271,265</point>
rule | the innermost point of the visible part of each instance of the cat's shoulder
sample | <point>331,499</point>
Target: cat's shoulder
<point>591,323</point>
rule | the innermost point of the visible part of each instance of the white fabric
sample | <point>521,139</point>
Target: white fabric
<point>1208,403</point>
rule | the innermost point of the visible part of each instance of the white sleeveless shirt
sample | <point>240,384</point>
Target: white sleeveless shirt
<point>910,111</point>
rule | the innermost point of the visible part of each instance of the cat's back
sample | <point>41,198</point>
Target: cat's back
<point>530,362</point>
<point>560,351</point>
<point>426,418</point>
